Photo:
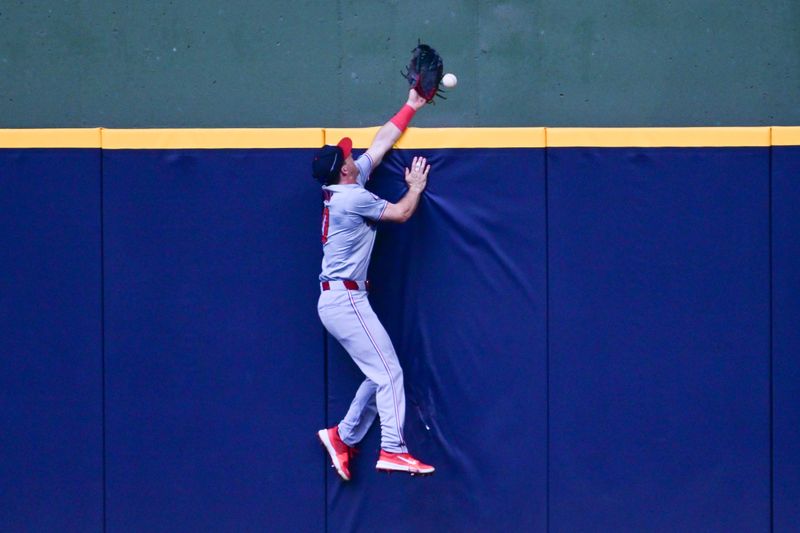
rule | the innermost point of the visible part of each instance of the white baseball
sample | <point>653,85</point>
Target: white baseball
<point>449,80</point>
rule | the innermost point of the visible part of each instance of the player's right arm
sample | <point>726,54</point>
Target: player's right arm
<point>417,180</point>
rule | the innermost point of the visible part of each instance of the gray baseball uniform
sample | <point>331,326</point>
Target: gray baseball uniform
<point>348,235</point>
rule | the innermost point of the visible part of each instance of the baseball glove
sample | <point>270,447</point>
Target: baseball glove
<point>424,72</point>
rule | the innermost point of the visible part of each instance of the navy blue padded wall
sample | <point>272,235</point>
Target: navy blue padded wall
<point>50,341</point>
<point>461,290</point>
<point>786,334</point>
<point>215,372</point>
<point>659,339</point>
<point>659,347</point>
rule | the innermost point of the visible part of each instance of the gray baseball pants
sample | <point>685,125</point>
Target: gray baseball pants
<point>348,316</point>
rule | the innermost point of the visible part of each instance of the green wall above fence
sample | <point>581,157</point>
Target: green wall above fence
<point>336,63</point>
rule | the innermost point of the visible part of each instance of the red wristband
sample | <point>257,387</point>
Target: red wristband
<point>403,117</point>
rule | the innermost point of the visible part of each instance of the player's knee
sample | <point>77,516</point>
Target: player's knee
<point>393,377</point>
<point>397,377</point>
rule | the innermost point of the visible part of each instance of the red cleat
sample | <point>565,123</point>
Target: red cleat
<point>339,452</point>
<point>402,462</point>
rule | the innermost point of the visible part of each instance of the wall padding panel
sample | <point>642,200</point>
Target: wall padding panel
<point>786,334</point>
<point>51,439</point>
<point>659,339</point>
<point>461,290</point>
<point>215,378</point>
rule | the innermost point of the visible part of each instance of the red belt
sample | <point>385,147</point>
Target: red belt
<point>345,285</point>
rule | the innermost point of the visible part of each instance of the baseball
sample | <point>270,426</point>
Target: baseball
<point>449,80</point>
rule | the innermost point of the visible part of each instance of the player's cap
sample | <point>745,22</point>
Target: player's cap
<point>329,159</point>
<point>346,144</point>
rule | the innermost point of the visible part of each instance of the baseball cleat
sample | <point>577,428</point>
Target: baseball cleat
<point>338,451</point>
<point>402,462</point>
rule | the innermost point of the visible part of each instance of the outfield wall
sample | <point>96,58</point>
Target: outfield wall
<point>597,328</point>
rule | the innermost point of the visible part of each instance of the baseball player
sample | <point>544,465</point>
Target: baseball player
<point>349,222</point>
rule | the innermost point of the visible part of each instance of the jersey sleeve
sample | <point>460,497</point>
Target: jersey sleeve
<point>364,164</point>
<point>367,205</point>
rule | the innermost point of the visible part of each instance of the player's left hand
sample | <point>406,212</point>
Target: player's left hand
<point>415,100</point>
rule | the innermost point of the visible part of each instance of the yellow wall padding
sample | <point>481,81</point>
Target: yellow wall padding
<point>786,136</point>
<point>447,137</point>
<point>51,138</point>
<point>211,138</point>
<point>413,138</point>
<point>657,137</point>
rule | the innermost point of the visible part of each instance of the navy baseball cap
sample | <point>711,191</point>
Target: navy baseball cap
<point>329,159</point>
